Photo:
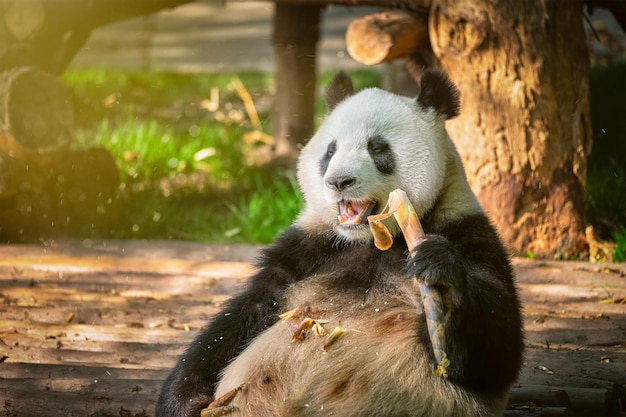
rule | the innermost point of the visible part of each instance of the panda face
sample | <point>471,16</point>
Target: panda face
<point>370,144</point>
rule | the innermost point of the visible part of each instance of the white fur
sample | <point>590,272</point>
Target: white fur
<point>377,368</point>
<point>427,164</point>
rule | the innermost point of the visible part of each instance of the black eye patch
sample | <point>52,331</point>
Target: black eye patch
<point>382,155</point>
<point>330,151</point>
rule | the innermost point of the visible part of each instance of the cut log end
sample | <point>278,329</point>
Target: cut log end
<point>383,37</point>
<point>36,114</point>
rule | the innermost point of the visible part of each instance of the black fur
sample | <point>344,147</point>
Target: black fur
<point>378,149</point>
<point>466,259</point>
<point>483,333</point>
<point>330,151</point>
<point>439,93</point>
<point>339,89</point>
<point>382,155</point>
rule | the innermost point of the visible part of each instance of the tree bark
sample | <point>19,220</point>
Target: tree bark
<point>524,132</point>
<point>296,32</point>
<point>47,34</point>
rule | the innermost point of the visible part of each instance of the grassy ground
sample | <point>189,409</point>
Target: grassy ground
<point>186,168</point>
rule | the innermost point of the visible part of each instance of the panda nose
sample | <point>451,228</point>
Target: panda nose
<point>340,183</point>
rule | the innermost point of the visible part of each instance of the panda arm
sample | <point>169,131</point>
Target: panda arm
<point>191,384</point>
<point>469,266</point>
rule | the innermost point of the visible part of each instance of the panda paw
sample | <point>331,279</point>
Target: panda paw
<point>438,264</point>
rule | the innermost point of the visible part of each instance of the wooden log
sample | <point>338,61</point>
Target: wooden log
<point>59,193</point>
<point>392,4</point>
<point>36,121</point>
<point>531,411</point>
<point>383,37</point>
<point>539,396</point>
<point>36,114</point>
<point>576,401</point>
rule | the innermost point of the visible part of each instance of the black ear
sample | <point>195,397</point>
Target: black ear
<point>339,89</point>
<point>438,92</point>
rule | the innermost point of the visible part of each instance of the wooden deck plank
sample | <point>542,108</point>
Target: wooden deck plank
<point>92,328</point>
<point>79,391</point>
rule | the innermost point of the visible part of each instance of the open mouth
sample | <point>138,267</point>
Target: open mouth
<point>355,212</point>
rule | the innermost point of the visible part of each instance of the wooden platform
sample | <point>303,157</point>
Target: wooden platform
<point>92,328</point>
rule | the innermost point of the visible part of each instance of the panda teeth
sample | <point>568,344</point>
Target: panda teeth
<point>348,214</point>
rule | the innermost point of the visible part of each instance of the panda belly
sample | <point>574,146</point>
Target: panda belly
<point>377,367</point>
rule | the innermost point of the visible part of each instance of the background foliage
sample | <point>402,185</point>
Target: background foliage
<point>191,164</point>
<point>188,169</point>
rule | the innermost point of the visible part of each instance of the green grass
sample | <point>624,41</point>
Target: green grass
<point>606,166</point>
<point>254,215</point>
<point>250,217</point>
<point>183,163</point>
<point>606,188</point>
<point>619,254</point>
<point>148,149</point>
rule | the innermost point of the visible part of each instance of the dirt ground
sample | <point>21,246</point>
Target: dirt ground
<point>91,328</point>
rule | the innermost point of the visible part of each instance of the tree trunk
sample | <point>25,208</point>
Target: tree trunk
<point>47,34</point>
<point>524,131</point>
<point>296,32</point>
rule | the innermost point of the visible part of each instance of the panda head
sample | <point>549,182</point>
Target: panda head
<point>369,144</point>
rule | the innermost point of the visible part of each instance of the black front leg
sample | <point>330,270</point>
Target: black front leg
<point>191,384</point>
<point>472,274</point>
<point>437,264</point>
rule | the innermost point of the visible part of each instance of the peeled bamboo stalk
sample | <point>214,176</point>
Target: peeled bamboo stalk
<point>401,208</point>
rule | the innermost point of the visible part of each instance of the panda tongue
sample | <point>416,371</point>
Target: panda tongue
<point>351,212</point>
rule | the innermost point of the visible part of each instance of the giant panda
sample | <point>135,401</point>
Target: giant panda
<point>325,273</point>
